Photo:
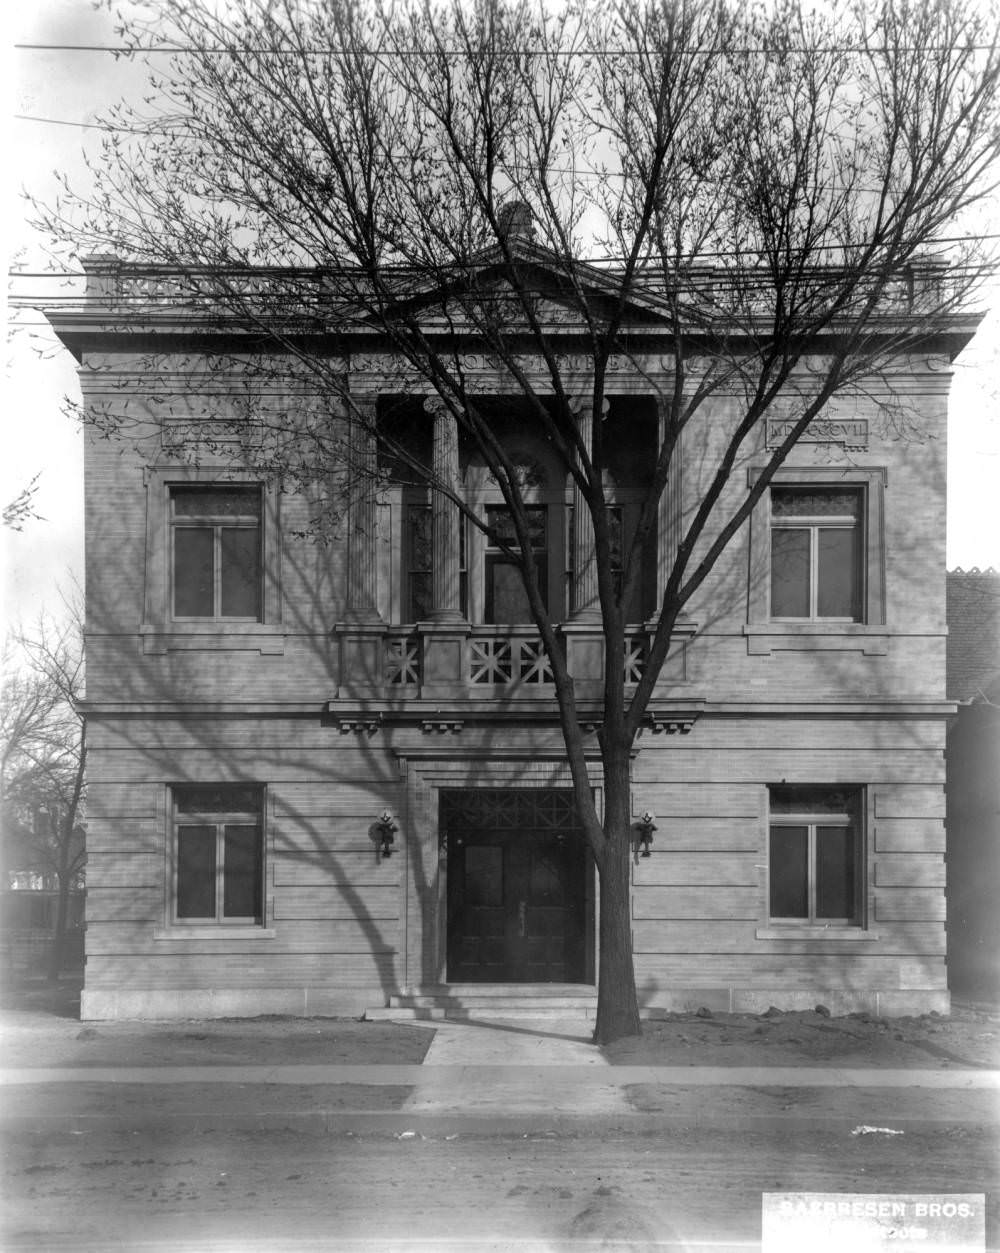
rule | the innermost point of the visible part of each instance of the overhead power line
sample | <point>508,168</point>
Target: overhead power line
<point>380,53</point>
<point>97,126</point>
<point>145,132</point>
<point>166,268</point>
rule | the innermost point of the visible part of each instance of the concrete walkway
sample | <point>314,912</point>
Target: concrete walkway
<point>501,1078</point>
<point>486,1067</point>
<point>478,1068</point>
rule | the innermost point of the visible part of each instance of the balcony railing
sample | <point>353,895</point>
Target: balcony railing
<point>403,660</point>
<point>506,659</point>
<point>493,658</point>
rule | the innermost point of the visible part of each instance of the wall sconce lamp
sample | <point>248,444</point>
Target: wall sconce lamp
<point>384,829</point>
<point>646,825</point>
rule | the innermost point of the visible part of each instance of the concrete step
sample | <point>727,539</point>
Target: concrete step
<point>481,1013</point>
<point>476,1002</point>
<point>493,1002</point>
<point>518,991</point>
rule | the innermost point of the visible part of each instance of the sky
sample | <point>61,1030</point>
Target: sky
<point>39,438</point>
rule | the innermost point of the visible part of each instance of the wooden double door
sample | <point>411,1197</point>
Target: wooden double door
<point>517,888</point>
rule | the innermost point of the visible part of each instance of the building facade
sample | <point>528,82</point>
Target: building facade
<point>327,777</point>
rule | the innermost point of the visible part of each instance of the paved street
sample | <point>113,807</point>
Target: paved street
<point>519,1136</point>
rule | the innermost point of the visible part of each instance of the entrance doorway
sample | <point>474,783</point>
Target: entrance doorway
<point>518,881</point>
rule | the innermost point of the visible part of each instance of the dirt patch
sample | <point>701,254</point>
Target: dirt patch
<point>968,1038</point>
<point>38,1036</point>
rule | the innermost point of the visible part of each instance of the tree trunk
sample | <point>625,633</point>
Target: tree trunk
<point>617,1003</point>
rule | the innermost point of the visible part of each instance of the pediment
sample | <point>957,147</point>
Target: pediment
<point>486,292</point>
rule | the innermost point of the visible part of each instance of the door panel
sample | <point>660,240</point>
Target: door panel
<point>516,907</point>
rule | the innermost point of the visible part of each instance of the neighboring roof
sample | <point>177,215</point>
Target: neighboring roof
<point>973,666</point>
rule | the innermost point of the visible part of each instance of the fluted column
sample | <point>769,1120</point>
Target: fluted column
<point>446,518</point>
<point>586,602</point>
<point>669,509</point>
<point>362,541</point>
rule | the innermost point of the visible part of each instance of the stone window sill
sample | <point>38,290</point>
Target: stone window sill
<point>212,636</point>
<point>214,933</point>
<point>768,637</point>
<point>854,935</point>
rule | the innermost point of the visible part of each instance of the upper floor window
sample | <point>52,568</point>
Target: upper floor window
<point>218,855</point>
<point>622,521</point>
<point>216,551</point>
<point>815,859</point>
<point>816,553</point>
<point>506,597</point>
<point>419,556</point>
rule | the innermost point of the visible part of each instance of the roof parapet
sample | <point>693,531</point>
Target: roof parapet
<point>103,271</point>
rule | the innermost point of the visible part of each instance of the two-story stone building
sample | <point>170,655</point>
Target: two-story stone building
<point>257,700</point>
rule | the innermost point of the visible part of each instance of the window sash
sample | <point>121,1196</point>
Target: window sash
<point>817,881</point>
<point>216,560</point>
<point>814,575</point>
<point>419,561</point>
<point>502,586</point>
<point>502,575</point>
<point>218,875</point>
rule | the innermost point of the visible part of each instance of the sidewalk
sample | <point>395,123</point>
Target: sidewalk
<point>505,1073</point>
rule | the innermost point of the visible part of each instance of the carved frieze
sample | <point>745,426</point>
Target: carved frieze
<point>394,366</point>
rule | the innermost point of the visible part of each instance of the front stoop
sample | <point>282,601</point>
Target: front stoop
<point>477,1002</point>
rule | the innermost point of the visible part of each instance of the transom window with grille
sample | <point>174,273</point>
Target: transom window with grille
<point>218,855</point>
<point>506,599</point>
<point>216,564</point>
<point>815,859</point>
<point>816,553</point>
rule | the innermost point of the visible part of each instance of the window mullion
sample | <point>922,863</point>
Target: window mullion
<point>811,862</point>
<point>217,569</point>
<point>220,871</point>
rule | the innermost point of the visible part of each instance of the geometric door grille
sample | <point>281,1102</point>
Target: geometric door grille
<point>509,809</point>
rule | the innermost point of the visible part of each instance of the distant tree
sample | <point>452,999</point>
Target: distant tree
<point>43,760</point>
<point>23,507</point>
<point>775,188</point>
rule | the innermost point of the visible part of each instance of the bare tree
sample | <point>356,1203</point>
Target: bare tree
<point>43,760</point>
<point>23,507</point>
<point>772,194</point>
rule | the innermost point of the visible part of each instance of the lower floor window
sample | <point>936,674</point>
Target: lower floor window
<point>815,860</point>
<point>218,854</point>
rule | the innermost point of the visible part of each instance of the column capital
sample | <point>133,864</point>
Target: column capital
<point>436,405</point>
<point>582,406</point>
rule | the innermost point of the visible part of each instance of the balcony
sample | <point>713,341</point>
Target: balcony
<point>442,675</point>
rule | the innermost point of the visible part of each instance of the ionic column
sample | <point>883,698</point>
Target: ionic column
<point>446,518</point>
<point>586,602</point>
<point>668,518</point>
<point>362,545</point>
